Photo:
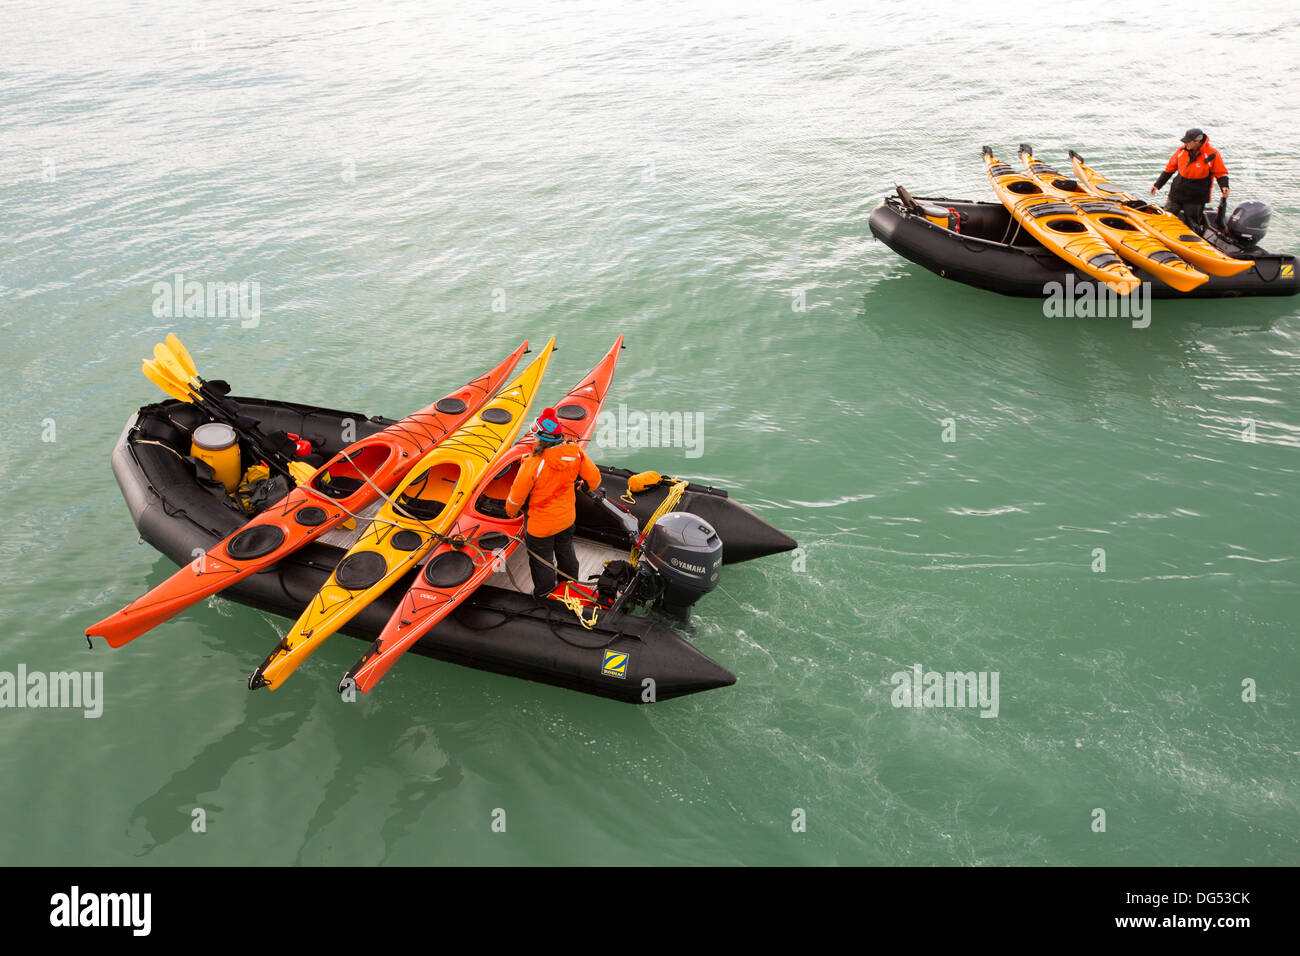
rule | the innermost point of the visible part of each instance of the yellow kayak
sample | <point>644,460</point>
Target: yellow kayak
<point>1165,226</point>
<point>1058,226</point>
<point>422,508</point>
<point>1113,222</point>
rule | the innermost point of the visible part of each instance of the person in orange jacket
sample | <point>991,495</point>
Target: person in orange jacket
<point>1196,162</point>
<point>546,481</point>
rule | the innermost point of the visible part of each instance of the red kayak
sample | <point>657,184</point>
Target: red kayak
<point>481,540</point>
<point>339,489</point>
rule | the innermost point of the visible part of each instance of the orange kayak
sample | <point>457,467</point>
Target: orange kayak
<point>1115,224</point>
<point>1164,225</point>
<point>335,492</point>
<point>480,542</point>
<point>1058,226</point>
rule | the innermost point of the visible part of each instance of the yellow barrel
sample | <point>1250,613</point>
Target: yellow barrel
<point>218,445</point>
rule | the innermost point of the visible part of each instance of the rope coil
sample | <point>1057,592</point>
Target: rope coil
<point>675,492</point>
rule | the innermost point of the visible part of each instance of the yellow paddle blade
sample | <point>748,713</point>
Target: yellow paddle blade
<point>170,364</point>
<point>182,355</point>
<point>154,373</point>
<point>301,471</point>
<point>168,367</point>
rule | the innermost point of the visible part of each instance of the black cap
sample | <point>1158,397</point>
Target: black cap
<point>1192,134</point>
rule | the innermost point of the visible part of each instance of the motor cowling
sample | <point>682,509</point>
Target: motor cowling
<point>1249,223</point>
<point>686,552</point>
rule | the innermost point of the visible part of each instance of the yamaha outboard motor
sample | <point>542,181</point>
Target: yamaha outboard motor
<point>1248,223</point>
<point>686,553</point>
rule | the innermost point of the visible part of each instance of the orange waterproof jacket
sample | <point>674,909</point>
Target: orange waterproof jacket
<point>546,480</point>
<point>1208,162</point>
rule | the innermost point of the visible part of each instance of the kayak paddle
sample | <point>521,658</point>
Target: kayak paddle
<point>173,370</point>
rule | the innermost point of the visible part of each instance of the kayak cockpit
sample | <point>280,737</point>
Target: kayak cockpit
<point>427,495</point>
<point>491,503</point>
<point>1024,187</point>
<point>342,476</point>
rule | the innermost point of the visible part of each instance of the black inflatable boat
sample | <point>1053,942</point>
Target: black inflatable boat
<point>988,251</point>
<point>500,628</point>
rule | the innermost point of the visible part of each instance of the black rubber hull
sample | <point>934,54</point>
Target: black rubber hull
<point>496,630</point>
<point>980,257</point>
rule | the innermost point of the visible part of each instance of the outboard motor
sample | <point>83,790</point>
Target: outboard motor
<point>1248,223</point>
<point>686,553</point>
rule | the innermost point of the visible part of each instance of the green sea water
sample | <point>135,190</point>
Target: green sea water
<point>416,188</point>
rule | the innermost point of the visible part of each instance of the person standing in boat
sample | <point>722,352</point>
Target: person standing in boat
<point>1198,165</point>
<point>546,481</point>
